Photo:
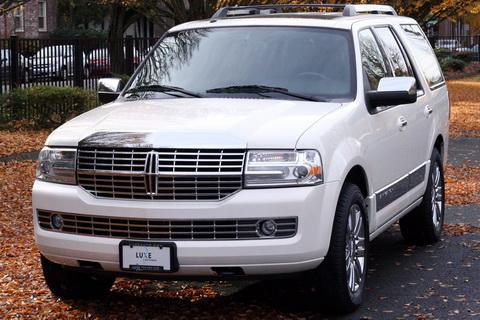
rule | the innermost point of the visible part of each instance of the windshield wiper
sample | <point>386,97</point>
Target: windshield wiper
<point>264,89</point>
<point>163,89</point>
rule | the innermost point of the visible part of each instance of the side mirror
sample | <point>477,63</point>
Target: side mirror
<point>393,91</point>
<point>109,89</point>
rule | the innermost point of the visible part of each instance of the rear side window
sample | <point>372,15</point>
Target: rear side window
<point>372,59</point>
<point>393,52</point>
<point>424,54</point>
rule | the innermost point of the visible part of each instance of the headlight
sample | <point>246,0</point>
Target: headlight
<point>57,165</point>
<point>268,168</point>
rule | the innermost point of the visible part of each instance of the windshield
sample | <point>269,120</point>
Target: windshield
<point>309,61</point>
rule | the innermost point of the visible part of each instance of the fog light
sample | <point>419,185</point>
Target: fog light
<point>267,227</point>
<point>56,221</point>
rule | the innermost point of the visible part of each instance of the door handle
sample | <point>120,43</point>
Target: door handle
<point>402,122</point>
<point>428,111</point>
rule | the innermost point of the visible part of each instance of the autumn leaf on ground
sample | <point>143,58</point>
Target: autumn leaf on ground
<point>19,141</point>
<point>465,108</point>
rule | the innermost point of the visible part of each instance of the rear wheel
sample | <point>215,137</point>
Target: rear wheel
<point>343,273</point>
<point>70,284</point>
<point>424,224</point>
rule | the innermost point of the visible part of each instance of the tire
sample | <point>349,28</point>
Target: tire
<point>69,284</point>
<point>344,270</point>
<point>424,224</point>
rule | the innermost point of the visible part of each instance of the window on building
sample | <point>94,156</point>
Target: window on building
<point>42,15</point>
<point>18,19</point>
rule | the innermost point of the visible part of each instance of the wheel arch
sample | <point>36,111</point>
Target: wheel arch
<point>358,176</point>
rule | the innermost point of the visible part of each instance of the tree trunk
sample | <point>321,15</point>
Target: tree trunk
<point>115,39</point>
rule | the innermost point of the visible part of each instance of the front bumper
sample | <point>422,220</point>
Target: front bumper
<point>314,207</point>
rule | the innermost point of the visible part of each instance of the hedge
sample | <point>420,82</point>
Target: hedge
<point>442,53</point>
<point>451,64</point>
<point>44,106</point>
<point>464,56</point>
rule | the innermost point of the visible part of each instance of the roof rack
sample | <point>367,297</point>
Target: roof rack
<point>348,9</point>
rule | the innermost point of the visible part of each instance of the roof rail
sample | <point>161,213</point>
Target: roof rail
<point>354,9</point>
<point>348,9</point>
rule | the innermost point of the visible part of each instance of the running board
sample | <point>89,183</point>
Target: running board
<point>390,222</point>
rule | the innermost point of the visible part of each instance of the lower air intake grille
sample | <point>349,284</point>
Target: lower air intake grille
<point>128,228</point>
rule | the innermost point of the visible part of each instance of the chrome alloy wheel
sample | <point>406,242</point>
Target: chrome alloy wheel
<point>437,196</point>
<point>355,249</point>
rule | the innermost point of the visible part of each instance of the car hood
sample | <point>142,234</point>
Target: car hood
<point>193,123</point>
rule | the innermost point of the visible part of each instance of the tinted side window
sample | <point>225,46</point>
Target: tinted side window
<point>424,54</point>
<point>372,59</point>
<point>393,51</point>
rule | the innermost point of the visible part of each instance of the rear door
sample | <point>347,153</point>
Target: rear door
<point>418,121</point>
<point>430,114</point>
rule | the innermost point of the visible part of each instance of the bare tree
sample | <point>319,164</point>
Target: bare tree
<point>9,5</point>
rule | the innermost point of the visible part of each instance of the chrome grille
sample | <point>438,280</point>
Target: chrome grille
<point>163,174</point>
<point>130,228</point>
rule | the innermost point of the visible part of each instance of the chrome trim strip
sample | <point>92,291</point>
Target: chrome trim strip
<point>400,187</point>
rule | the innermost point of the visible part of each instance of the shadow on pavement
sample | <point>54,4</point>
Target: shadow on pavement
<point>404,281</point>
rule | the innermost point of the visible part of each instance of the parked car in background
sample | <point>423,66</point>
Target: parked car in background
<point>98,62</point>
<point>53,62</point>
<point>5,66</point>
<point>447,44</point>
<point>472,49</point>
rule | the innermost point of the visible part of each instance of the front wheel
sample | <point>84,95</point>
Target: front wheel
<point>424,224</point>
<point>71,284</point>
<point>343,273</point>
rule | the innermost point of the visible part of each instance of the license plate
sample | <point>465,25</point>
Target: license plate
<point>148,256</point>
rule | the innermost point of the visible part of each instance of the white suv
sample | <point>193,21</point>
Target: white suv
<point>262,141</point>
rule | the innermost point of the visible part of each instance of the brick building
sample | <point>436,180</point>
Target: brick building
<point>34,19</point>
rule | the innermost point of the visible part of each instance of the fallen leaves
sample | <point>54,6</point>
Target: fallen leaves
<point>465,117</point>
<point>459,229</point>
<point>15,142</point>
<point>462,185</point>
<point>23,293</point>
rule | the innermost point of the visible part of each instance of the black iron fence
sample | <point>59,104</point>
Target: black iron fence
<point>77,62</point>
<point>452,46</point>
<point>80,62</point>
